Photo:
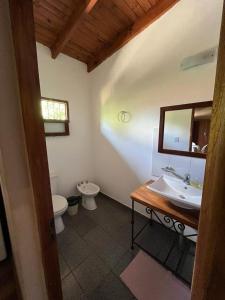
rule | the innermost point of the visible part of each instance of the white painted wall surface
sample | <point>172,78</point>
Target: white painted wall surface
<point>70,157</point>
<point>140,78</point>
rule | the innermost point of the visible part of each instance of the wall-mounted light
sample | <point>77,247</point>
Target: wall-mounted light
<point>198,59</point>
<point>124,116</point>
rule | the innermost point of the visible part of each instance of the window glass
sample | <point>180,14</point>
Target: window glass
<point>54,110</point>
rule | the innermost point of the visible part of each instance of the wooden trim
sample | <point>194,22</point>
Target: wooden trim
<point>152,15</point>
<point>191,129</point>
<point>183,153</point>
<point>161,129</point>
<point>54,99</point>
<point>188,105</point>
<point>21,14</point>
<point>65,133</point>
<point>209,271</point>
<point>162,122</point>
<point>78,14</point>
<point>55,121</point>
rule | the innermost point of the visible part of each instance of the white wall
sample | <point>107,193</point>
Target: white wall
<point>70,156</point>
<point>140,78</point>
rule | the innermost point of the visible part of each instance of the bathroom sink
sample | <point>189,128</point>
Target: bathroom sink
<point>177,192</point>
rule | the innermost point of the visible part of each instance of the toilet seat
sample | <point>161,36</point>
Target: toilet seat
<point>59,204</point>
<point>88,188</point>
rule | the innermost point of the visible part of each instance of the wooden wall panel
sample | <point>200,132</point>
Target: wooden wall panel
<point>125,8</point>
<point>125,36</point>
<point>145,5</point>
<point>135,7</point>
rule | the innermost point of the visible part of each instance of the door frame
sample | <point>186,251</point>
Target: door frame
<point>23,33</point>
<point>209,269</point>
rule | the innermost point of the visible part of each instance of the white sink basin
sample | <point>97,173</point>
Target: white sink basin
<point>177,192</point>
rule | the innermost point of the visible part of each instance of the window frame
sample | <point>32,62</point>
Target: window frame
<point>66,122</point>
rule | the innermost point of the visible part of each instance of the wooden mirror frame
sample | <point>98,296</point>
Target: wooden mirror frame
<point>163,110</point>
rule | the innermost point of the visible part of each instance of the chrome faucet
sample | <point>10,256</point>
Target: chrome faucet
<point>186,179</point>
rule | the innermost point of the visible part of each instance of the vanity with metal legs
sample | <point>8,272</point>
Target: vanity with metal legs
<point>170,217</point>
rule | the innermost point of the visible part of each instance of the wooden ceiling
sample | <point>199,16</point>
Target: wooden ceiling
<point>92,30</point>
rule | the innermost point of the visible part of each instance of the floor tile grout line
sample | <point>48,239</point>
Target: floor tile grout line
<point>102,260</point>
<point>95,287</point>
<point>71,269</point>
<point>67,275</point>
<point>111,268</point>
<point>78,282</point>
<point>93,248</point>
<point>106,232</point>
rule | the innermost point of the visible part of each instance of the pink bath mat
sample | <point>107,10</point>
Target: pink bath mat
<point>148,280</point>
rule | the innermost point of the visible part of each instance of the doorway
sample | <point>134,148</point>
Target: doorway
<point>209,258</point>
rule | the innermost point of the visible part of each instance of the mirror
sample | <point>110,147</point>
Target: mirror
<point>184,129</point>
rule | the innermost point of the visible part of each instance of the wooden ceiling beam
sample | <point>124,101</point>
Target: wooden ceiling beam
<point>77,15</point>
<point>124,37</point>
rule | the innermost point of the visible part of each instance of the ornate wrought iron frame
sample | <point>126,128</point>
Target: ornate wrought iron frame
<point>171,224</point>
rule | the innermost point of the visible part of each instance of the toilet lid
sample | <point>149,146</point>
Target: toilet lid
<point>59,203</point>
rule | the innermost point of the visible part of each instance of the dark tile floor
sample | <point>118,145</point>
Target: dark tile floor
<point>94,249</point>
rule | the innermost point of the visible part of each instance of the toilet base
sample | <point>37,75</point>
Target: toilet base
<point>89,202</point>
<point>59,225</point>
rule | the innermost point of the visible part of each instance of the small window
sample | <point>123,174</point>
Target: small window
<point>56,116</point>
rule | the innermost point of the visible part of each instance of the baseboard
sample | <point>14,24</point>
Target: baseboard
<point>110,198</point>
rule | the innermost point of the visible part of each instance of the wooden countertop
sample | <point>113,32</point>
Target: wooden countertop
<point>150,199</point>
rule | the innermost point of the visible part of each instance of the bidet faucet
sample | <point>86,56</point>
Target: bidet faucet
<point>186,179</point>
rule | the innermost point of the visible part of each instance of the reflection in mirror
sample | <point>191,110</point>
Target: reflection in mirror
<point>184,129</point>
<point>177,129</point>
<point>200,129</point>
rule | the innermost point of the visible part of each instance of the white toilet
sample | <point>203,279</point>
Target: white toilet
<point>88,191</point>
<point>60,205</point>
